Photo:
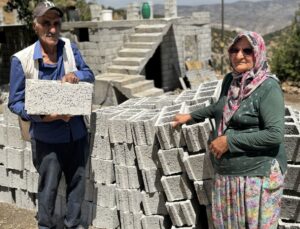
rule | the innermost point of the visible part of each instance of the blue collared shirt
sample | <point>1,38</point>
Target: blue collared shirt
<point>56,131</point>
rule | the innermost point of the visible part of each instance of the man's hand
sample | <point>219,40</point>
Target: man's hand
<point>54,117</point>
<point>70,78</point>
<point>219,146</point>
<point>181,119</point>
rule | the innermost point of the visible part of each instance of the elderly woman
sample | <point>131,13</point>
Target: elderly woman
<point>247,151</point>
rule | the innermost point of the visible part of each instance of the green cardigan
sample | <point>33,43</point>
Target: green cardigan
<point>255,132</point>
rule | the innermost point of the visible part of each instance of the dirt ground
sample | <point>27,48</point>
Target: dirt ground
<point>15,218</point>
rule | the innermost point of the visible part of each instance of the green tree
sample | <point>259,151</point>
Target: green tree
<point>285,61</point>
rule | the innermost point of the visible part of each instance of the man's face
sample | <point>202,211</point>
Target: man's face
<point>48,27</point>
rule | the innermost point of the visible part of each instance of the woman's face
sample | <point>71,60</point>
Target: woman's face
<point>241,56</point>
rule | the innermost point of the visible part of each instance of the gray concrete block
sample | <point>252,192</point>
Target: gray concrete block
<point>3,156</point>
<point>155,222</point>
<point>129,200</point>
<point>105,195</point>
<point>129,220</point>
<point>15,158</point>
<point>154,203</point>
<point>6,195</point>
<point>143,128</point>
<point>292,178</point>
<point>105,217</point>
<point>102,171</point>
<point>100,147</point>
<point>151,179</point>
<point>32,179</point>
<point>28,163</point>
<point>287,225</point>
<point>99,119</point>
<point>171,161</point>
<point>290,208</point>
<point>16,179</point>
<point>42,97</point>
<point>196,136</point>
<point>198,166</point>
<point>119,126</point>
<point>25,199</point>
<point>10,118</point>
<point>3,134</point>
<point>127,177</point>
<point>14,137</point>
<point>177,187</point>
<point>204,191</point>
<point>183,213</point>
<point>292,147</point>
<point>4,179</point>
<point>147,156</point>
<point>124,154</point>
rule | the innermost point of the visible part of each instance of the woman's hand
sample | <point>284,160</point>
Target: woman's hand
<point>54,117</point>
<point>219,146</point>
<point>70,78</point>
<point>181,119</point>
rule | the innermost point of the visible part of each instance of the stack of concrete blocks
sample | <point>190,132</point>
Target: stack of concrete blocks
<point>133,11</point>
<point>290,216</point>
<point>19,179</point>
<point>170,8</point>
<point>104,203</point>
<point>90,51</point>
<point>146,146</point>
<point>128,177</point>
<point>176,185</point>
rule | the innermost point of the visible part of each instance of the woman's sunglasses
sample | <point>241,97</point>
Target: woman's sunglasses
<point>246,51</point>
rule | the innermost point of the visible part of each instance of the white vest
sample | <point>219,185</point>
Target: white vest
<point>31,66</point>
<point>31,71</point>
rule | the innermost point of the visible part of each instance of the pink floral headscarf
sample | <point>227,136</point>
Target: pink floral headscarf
<point>243,84</point>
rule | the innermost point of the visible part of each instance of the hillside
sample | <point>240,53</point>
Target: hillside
<point>262,16</point>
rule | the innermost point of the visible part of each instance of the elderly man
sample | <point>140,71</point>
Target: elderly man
<point>59,142</point>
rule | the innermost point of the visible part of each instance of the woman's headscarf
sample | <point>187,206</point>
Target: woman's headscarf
<point>243,84</point>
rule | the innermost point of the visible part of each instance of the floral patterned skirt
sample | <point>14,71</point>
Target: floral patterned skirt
<point>247,202</point>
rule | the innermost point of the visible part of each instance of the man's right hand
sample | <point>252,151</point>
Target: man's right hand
<point>181,119</point>
<point>54,117</point>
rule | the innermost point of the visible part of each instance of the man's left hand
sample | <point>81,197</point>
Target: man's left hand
<point>70,78</point>
<point>219,146</point>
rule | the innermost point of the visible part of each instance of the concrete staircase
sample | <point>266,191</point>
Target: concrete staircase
<point>124,73</point>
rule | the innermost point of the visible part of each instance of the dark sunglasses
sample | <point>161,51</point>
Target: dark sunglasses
<point>246,51</point>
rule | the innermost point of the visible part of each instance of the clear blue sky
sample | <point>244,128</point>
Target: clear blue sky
<point>124,3</point>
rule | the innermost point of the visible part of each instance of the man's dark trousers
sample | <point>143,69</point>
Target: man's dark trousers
<point>51,160</point>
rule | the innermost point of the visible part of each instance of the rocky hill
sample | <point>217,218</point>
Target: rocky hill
<point>261,16</point>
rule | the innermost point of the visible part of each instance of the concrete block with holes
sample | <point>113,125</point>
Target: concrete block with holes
<point>177,187</point>
<point>105,195</point>
<point>292,142</point>
<point>15,158</point>
<point>147,156</point>
<point>198,166</point>
<point>129,200</point>
<point>100,147</point>
<point>6,195</point>
<point>42,97</point>
<point>17,179</point>
<point>102,171</point>
<point>154,203</point>
<point>4,179</point>
<point>204,191</point>
<point>130,220</point>
<point>105,217</point>
<point>127,177</point>
<point>155,221</point>
<point>171,161</point>
<point>290,208</point>
<point>32,180</point>
<point>151,179</point>
<point>124,154</point>
<point>183,213</point>
<point>14,137</point>
<point>3,130</point>
<point>292,178</point>
<point>287,225</point>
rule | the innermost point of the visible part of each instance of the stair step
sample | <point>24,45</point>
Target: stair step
<point>130,61</point>
<point>119,80</point>
<point>150,28</point>
<point>149,93</point>
<point>146,45</point>
<point>130,52</point>
<point>145,37</point>
<point>124,69</point>
<point>137,87</point>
